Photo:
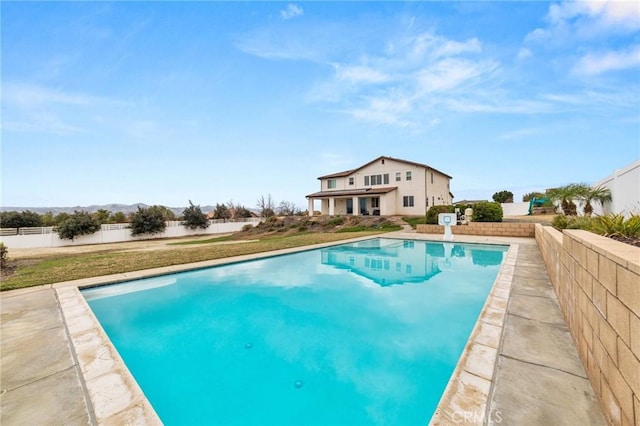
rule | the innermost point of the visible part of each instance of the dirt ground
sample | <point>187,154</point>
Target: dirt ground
<point>157,244</point>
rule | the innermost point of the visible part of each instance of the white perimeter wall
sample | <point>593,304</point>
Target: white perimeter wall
<point>117,235</point>
<point>624,185</point>
<point>515,209</point>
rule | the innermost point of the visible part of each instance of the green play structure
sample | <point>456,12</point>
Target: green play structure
<point>536,202</point>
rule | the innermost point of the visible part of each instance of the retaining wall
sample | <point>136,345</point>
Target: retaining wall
<point>597,281</point>
<point>500,229</point>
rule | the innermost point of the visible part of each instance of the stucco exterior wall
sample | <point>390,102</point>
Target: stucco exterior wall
<point>420,187</point>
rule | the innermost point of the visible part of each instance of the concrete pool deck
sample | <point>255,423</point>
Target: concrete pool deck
<point>57,366</point>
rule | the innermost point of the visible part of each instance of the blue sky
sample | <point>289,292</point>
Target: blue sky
<point>163,103</point>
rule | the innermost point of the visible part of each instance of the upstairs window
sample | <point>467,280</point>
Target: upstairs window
<point>385,177</point>
<point>376,179</point>
<point>366,181</point>
<point>398,176</point>
<point>351,181</point>
<point>331,184</point>
<point>407,201</point>
<point>408,175</point>
<point>431,177</point>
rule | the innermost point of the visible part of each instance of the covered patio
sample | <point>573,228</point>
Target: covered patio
<point>356,202</point>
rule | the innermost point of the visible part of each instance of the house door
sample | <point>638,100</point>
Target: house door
<point>363,206</point>
<point>349,205</point>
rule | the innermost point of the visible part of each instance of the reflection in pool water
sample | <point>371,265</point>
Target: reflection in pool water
<point>331,336</point>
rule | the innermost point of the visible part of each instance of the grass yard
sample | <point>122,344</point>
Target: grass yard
<point>49,269</point>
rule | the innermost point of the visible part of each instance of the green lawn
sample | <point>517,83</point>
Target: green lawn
<point>53,269</point>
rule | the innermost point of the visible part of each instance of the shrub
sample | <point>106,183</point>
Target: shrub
<point>560,222</point>
<point>503,197</point>
<point>615,225</point>
<point>79,223</point>
<point>25,219</point>
<point>194,218</point>
<point>147,220</point>
<point>335,221</point>
<point>4,255</point>
<point>434,211</point>
<point>247,227</point>
<point>486,211</point>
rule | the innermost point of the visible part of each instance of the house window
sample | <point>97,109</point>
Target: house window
<point>375,202</point>
<point>433,201</point>
<point>408,175</point>
<point>366,181</point>
<point>386,178</point>
<point>407,201</point>
<point>398,176</point>
<point>331,183</point>
<point>351,181</point>
<point>431,177</point>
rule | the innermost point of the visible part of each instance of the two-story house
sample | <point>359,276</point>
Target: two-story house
<point>385,186</point>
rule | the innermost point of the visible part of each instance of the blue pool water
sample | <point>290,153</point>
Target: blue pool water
<point>366,333</point>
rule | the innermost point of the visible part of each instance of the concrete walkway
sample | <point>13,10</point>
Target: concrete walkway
<point>40,379</point>
<point>538,379</point>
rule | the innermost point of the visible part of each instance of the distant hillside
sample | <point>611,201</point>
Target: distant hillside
<point>124,208</point>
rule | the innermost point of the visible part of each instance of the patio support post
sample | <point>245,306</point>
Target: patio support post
<point>310,206</point>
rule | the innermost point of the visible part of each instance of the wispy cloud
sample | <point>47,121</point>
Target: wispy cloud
<point>597,63</point>
<point>519,134</point>
<point>291,11</point>
<point>31,108</point>
<point>588,19</point>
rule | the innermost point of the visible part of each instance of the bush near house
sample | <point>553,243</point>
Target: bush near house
<point>434,211</point>
<point>77,224</point>
<point>486,211</point>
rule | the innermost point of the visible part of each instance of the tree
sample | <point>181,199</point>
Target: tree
<point>48,219</point>
<point>148,220</point>
<point>194,218</point>
<point>25,219</point>
<point>600,194</point>
<point>102,215</point>
<point>287,208</point>
<point>566,195</point>
<point>221,211</point>
<point>530,195</point>
<point>118,217</point>
<point>266,206</point>
<point>61,217</point>
<point>79,223</point>
<point>503,197</point>
<point>166,212</point>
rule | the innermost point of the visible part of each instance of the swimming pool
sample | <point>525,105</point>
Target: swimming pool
<point>360,333</point>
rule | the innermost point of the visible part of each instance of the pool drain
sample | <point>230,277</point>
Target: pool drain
<point>248,345</point>
<point>298,384</point>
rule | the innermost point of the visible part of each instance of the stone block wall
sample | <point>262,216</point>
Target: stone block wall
<point>597,281</point>
<point>501,229</point>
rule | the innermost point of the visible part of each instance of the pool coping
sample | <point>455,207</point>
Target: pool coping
<point>117,398</point>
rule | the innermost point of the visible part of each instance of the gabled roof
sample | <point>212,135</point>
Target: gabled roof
<point>413,163</point>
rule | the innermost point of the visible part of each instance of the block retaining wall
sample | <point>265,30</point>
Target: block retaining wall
<point>597,281</point>
<point>500,229</point>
